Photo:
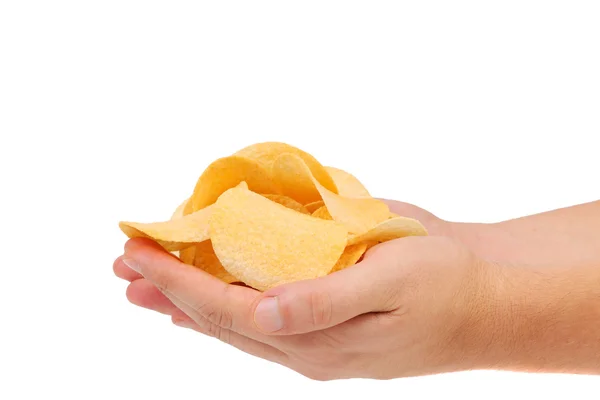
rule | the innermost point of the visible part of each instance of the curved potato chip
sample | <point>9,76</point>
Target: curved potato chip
<point>322,213</point>
<point>351,255</point>
<point>175,234</point>
<point>314,206</point>
<point>179,211</point>
<point>206,259</point>
<point>391,229</point>
<point>357,214</point>
<point>226,173</point>
<point>267,152</point>
<point>287,202</point>
<point>187,255</point>
<point>348,185</point>
<point>265,244</point>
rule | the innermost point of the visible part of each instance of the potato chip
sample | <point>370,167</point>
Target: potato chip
<point>348,185</point>
<point>287,202</point>
<point>174,234</point>
<point>390,229</point>
<point>294,179</point>
<point>265,244</point>
<point>206,259</point>
<point>322,213</point>
<point>187,255</point>
<point>226,173</point>
<point>267,152</point>
<point>357,214</point>
<point>350,256</point>
<point>179,211</point>
<point>272,214</point>
<point>312,207</point>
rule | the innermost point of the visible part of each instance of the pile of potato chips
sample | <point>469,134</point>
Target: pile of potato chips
<point>272,214</point>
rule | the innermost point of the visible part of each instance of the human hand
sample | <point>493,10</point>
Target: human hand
<point>413,306</point>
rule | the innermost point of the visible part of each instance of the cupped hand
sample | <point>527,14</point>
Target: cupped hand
<point>412,306</point>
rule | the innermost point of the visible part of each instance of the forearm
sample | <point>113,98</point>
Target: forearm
<point>540,304</point>
<point>542,319</point>
<point>568,236</point>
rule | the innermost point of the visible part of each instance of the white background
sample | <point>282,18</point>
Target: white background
<point>110,110</point>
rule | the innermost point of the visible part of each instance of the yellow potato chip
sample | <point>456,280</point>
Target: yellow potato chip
<point>322,213</point>
<point>287,202</point>
<point>187,255</point>
<point>314,206</point>
<point>357,214</point>
<point>390,229</point>
<point>350,256</point>
<point>272,214</point>
<point>265,244</point>
<point>206,259</point>
<point>179,211</point>
<point>267,152</point>
<point>348,185</point>
<point>226,173</point>
<point>175,234</point>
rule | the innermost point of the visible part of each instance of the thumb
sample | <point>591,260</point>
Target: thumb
<point>318,304</point>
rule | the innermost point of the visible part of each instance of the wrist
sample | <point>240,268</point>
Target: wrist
<point>489,241</point>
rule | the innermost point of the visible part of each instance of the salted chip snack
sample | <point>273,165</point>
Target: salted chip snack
<point>272,214</point>
<point>253,244</point>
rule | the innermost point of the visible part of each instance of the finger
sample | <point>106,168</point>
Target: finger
<point>234,339</point>
<point>143,293</point>
<point>205,296</point>
<point>312,305</point>
<point>124,272</point>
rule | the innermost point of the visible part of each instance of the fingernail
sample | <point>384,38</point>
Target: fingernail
<point>267,316</point>
<point>132,264</point>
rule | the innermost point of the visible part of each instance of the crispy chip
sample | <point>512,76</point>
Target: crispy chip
<point>287,202</point>
<point>348,185</point>
<point>312,207</point>
<point>179,211</point>
<point>265,244</point>
<point>272,214</point>
<point>295,179</point>
<point>322,213</point>
<point>357,214</point>
<point>351,255</point>
<point>267,152</point>
<point>390,229</point>
<point>177,233</point>
<point>226,173</point>
<point>206,259</point>
<point>174,234</point>
<point>187,255</point>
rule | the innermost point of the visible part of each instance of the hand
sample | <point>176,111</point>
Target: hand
<point>413,306</point>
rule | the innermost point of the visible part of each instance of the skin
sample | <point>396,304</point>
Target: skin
<point>519,295</point>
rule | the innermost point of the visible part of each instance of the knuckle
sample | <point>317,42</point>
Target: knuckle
<point>162,282</point>
<point>221,318</point>
<point>217,332</point>
<point>214,312</point>
<point>321,307</point>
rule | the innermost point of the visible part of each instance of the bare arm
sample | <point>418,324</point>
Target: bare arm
<point>567,237</point>
<point>544,290</point>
